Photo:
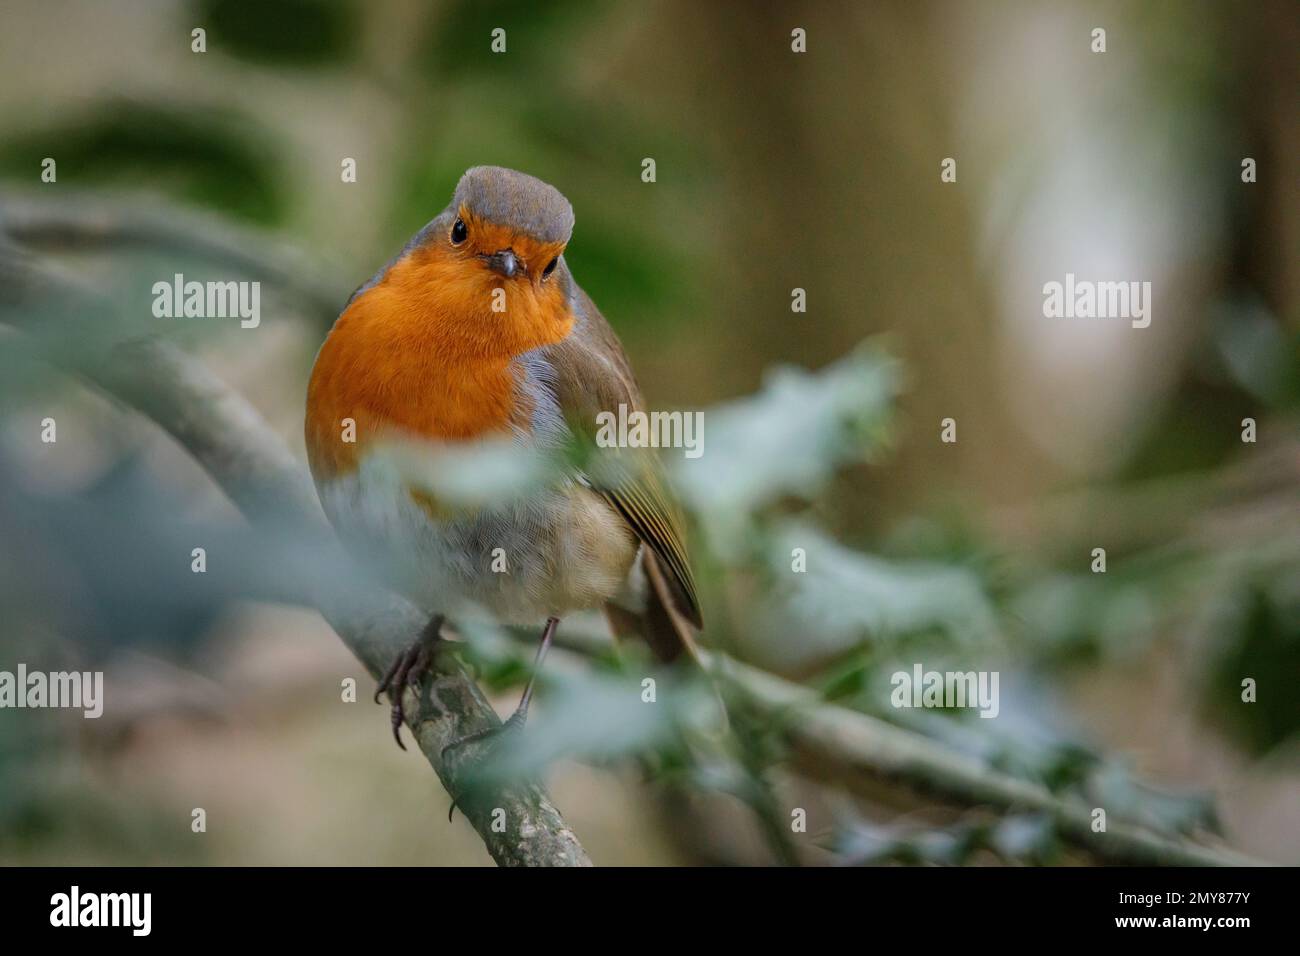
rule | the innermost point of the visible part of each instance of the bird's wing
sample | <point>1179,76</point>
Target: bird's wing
<point>591,374</point>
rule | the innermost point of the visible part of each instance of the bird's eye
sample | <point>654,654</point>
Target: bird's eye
<point>550,267</point>
<point>459,233</point>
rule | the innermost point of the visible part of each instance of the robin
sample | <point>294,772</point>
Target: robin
<point>477,330</point>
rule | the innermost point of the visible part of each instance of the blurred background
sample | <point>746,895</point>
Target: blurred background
<point>775,171</point>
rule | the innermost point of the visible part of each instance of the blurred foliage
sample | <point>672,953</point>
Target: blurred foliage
<point>1266,624</point>
<point>209,156</point>
<point>846,599</point>
<point>1024,838</point>
<point>1257,355</point>
<point>283,33</point>
<point>533,35</point>
<point>787,441</point>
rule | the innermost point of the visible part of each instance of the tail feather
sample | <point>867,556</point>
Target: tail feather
<point>659,622</point>
<point>663,625</point>
<point>666,629</point>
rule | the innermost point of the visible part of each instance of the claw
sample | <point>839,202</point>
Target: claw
<point>398,717</point>
<point>514,722</point>
<point>387,679</point>
<point>408,670</point>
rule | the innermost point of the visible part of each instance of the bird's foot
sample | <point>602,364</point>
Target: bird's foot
<point>408,670</point>
<point>513,724</point>
<point>494,736</point>
<point>518,718</point>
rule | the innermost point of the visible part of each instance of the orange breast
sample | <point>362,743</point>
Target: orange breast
<point>386,368</point>
<point>427,352</point>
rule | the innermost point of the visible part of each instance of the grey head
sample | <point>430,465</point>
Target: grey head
<point>506,197</point>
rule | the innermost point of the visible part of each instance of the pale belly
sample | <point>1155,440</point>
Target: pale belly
<point>562,550</point>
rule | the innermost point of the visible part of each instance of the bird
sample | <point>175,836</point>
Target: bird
<point>478,330</point>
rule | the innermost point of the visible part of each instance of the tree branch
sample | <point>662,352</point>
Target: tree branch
<point>862,751</point>
<point>837,745</point>
<point>76,222</point>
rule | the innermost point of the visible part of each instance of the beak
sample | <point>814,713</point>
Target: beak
<point>504,262</point>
